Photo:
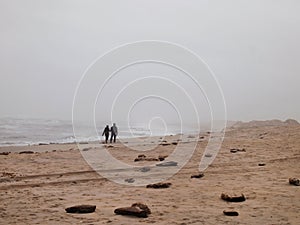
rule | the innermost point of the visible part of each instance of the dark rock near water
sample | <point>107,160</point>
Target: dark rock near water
<point>294,181</point>
<point>129,180</point>
<point>159,185</point>
<point>228,198</point>
<point>165,144</point>
<point>199,175</point>
<point>145,169</point>
<point>230,213</point>
<point>26,152</point>
<point>169,163</point>
<point>4,153</point>
<point>136,209</point>
<point>81,209</point>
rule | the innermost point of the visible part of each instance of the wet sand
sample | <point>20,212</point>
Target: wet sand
<point>36,188</point>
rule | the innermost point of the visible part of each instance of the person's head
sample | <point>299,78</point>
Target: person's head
<point>107,126</point>
<point>114,124</point>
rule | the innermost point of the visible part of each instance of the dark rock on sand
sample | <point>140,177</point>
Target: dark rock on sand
<point>199,175</point>
<point>235,150</point>
<point>261,164</point>
<point>136,209</point>
<point>26,152</point>
<point>229,198</point>
<point>230,213</point>
<point>142,206</point>
<point>159,185</point>
<point>81,209</point>
<point>169,163</point>
<point>4,153</point>
<point>162,157</point>
<point>174,143</point>
<point>294,181</point>
<point>144,158</point>
<point>145,169</point>
<point>165,144</point>
<point>129,180</point>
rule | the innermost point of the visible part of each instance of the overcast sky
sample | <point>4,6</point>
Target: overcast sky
<point>251,46</point>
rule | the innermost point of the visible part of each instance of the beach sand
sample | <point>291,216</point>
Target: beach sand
<point>36,188</point>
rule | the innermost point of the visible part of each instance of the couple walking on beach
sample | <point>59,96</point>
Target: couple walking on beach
<point>113,135</point>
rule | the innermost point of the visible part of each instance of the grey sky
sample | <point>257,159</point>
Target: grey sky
<point>252,47</point>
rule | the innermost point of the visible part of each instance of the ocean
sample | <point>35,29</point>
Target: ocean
<point>22,132</point>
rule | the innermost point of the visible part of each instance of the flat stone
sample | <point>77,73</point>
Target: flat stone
<point>81,209</point>
<point>229,198</point>
<point>131,211</point>
<point>26,152</point>
<point>230,213</point>
<point>145,169</point>
<point>169,163</point>
<point>199,175</point>
<point>159,185</point>
<point>129,180</point>
<point>4,153</point>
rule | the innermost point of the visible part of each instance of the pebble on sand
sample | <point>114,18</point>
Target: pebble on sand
<point>81,209</point>
<point>169,163</point>
<point>136,209</point>
<point>229,198</point>
<point>230,213</point>
<point>294,181</point>
<point>159,185</point>
<point>26,152</point>
<point>199,175</point>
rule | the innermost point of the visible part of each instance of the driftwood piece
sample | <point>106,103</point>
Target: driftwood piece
<point>81,209</point>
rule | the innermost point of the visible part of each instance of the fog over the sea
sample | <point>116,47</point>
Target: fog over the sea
<point>252,47</point>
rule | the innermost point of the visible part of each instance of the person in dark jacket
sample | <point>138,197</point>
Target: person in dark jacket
<point>106,133</point>
<point>114,132</point>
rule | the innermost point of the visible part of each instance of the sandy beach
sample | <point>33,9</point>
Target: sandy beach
<point>36,188</point>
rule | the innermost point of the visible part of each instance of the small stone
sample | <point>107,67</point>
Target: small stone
<point>229,198</point>
<point>164,144</point>
<point>230,213</point>
<point>81,209</point>
<point>129,180</point>
<point>159,185</point>
<point>198,175</point>
<point>26,152</point>
<point>261,164</point>
<point>294,181</point>
<point>4,153</point>
<point>162,157</point>
<point>131,211</point>
<point>145,169</point>
<point>169,163</point>
<point>142,206</point>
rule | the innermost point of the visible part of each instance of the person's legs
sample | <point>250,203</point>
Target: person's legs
<point>115,138</point>
<point>111,137</point>
<point>106,138</point>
